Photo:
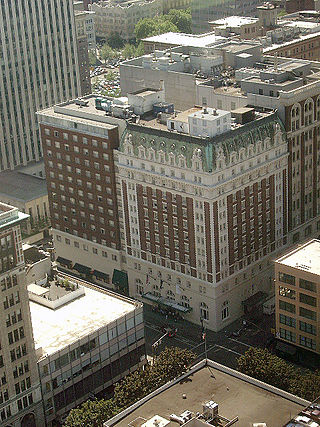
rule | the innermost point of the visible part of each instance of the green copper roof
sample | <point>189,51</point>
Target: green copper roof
<point>231,141</point>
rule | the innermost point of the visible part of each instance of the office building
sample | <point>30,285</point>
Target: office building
<point>297,290</point>
<point>20,392</point>
<point>39,67</point>
<point>86,341</point>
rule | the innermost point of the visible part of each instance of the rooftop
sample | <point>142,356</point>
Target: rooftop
<point>55,329</point>
<point>209,113</point>
<point>10,215</point>
<point>305,257</point>
<point>22,187</point>
<point>85,114</point>
<point>192,40</point>
<point>234,21</point>
<point>288,43</point>
<point>232,391</point>
<point>33,254</point>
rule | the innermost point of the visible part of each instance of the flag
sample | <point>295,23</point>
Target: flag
<point>178,290</point>
<point>161,284</point>
<point>204,335</point>
<point>147,280</point>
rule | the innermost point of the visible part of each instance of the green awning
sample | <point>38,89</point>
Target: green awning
<point>166,302</point>
<point>82,269</point>
<point>64,261</point>
<point>100,275</point>
<point>120,278</point>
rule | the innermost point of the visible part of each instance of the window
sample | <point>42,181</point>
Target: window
<point>225,310</point>
<point>204,311</point>
<point>287,278</point>
<point>287,335</point>
<point>286,320</point>
<point>309,314</point>
<point>286,306</point>
<point>307,299</point>
<point>308,286</point>
<point>307,342</point>
<point>307,327</point>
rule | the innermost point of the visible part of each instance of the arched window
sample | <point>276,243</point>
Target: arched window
<point>204,311</point>
<point>28,420</point>
<point>225,310</point>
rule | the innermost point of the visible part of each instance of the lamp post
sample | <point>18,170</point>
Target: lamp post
<point>156,344</point>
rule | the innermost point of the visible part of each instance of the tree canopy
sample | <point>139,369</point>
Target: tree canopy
<point>181,19</point>
<point>175,21</point>
<point>264,366</point>
<point>91,414</point>
<point>115,41</point>
<point>107,52</point>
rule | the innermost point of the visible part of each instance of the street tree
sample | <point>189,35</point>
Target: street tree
<point>91,414</point>
<point>170,363</point>
<point>147,27</point>
<point>139,49</point>
<point>306,385</point>
<point>128,51</point>
<point>92,58</point>
<point>265,366</point>
<point>106,52</point>
<point>133,387</point>
<point>115,40</point>
<point>181,19</point>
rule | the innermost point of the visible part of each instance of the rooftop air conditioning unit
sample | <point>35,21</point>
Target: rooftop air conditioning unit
<point>210,409</point>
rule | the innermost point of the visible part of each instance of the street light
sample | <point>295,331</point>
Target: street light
<point>156,344</point>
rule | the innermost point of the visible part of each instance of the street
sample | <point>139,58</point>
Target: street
<point>222,347</point>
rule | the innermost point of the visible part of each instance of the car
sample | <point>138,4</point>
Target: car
<point>171,332</point>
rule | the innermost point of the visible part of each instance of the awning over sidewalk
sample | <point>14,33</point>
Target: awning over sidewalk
<point>100,275</point>
<point>166,302</point>
<point>64,261</point>
<point>120,278</point>
<point>82,269</point>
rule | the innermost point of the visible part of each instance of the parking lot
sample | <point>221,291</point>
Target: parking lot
<point>106,81</point>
